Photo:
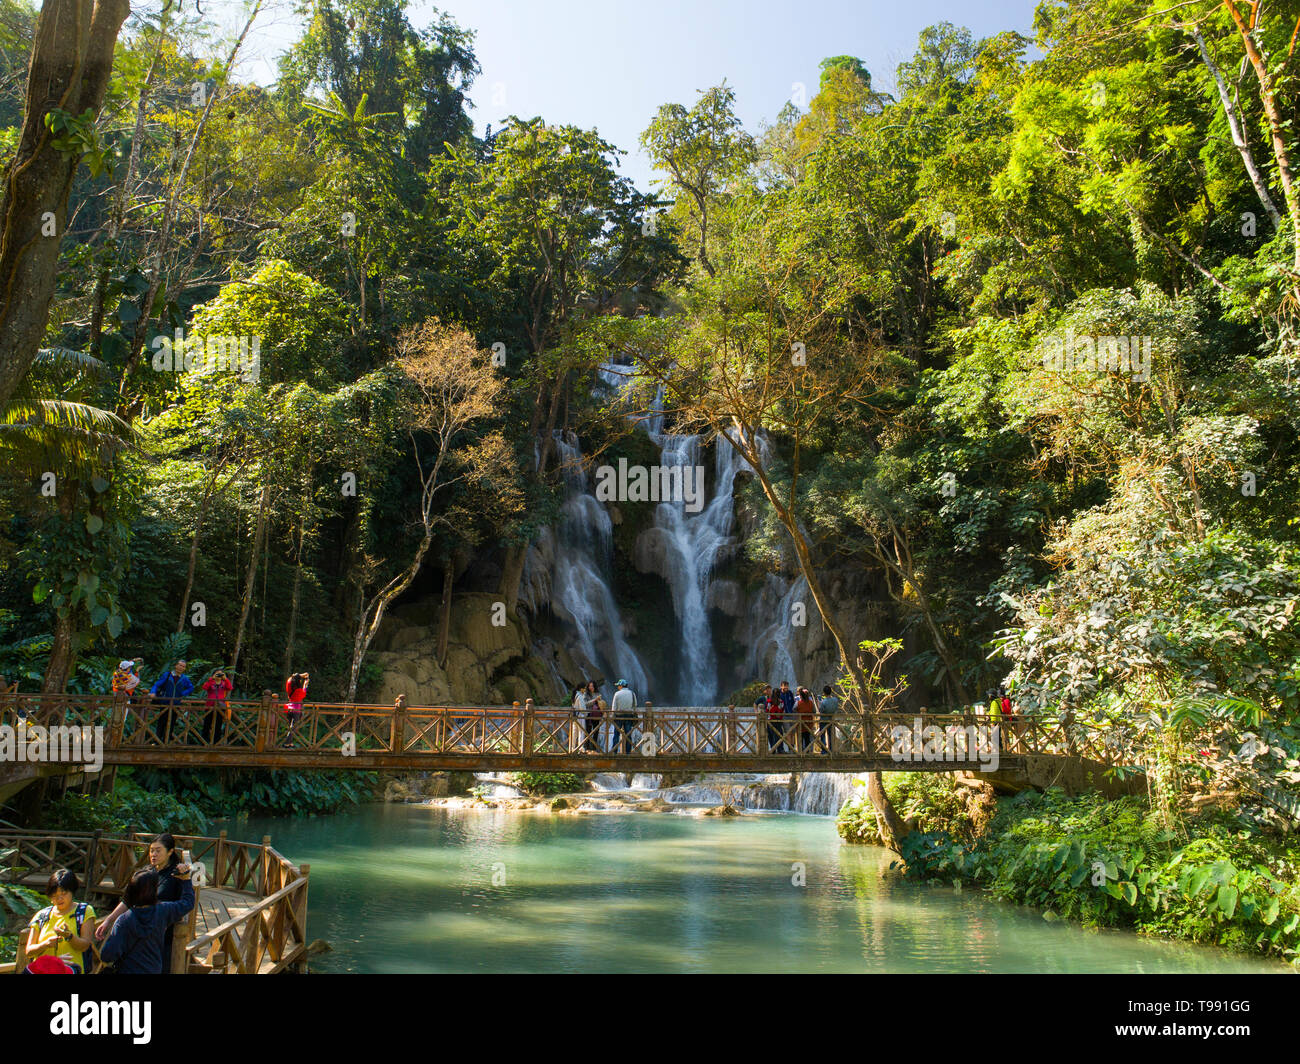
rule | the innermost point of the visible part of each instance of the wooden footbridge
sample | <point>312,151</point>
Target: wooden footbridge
<point>537,738</point>
<point>250,918</point>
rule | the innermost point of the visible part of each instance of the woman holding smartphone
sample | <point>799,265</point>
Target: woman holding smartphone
<point>295,692</point>
<point>65,927</point>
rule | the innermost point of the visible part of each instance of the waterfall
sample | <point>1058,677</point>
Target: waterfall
<point>771,652</point>
<point>698,542</point>
<point>824,792</point>
<point>581,592</point>
<point>691,545</point>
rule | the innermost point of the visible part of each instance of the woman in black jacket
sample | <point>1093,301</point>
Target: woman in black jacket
<point>164,861</point>
<point>136,944</point>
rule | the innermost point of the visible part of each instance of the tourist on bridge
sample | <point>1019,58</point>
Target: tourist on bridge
<point>576,717</point>
<point>218,688</point>
<point>806,712</point>
<point>140,942</point>
<point>595,711</point>
<point>787,699</point>
<point>126,677</point>
<point>995,712</point>
<point>172,686</point>
<point>830,705</point>
<point>295,691</point>
<point>64,928</point>
<point>165,864</point>
<point>623,710</point>
<point>763,716</point>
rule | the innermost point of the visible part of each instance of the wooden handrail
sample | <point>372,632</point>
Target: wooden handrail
<point>533,732</point>
<point>279,884</point>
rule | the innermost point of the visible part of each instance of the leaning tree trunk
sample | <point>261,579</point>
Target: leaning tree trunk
<point>890,824</point>
<point>72,59</point>
<point>61,654</point>
<point>295,600</point>
<point>59,666</point>
<point>251,581</point>
<point>194,552</point>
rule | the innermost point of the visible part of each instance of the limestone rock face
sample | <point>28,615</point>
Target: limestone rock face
<point>727,596</point>
<point>486,663</point>
<point>652,552</point>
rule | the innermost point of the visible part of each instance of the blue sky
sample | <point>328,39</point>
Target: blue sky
<point>609,64</point>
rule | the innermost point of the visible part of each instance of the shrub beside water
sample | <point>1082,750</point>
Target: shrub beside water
<point>128,806</point>
<point>1110,863</point>
<point>267,792</point>
<point>927,801</point>
<point>541,784</point>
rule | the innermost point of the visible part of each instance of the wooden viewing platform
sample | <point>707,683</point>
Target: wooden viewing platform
<point>249,919</point>
<point>540,738</point>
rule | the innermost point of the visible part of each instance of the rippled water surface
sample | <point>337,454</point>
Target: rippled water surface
<point>403,888</point>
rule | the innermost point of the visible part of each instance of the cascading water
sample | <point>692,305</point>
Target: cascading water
<point>771,653</point>
<point>697,543</point>
<point>580,586</point>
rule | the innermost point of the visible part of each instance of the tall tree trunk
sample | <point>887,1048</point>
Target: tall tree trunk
<point>295,599</point>
<point>1238,130</point>
<point>194,552</point>
<point>371,614</point>
<point>250,582</point>
<point>63,651</point>
<point>114,227</point>
<point>444,616</point>
<point>72,59</point>
<point>906,568</point>
<point>59,666</point>
<point>1278,124</point>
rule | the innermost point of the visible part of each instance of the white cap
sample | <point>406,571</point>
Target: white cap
<point>125,664</point>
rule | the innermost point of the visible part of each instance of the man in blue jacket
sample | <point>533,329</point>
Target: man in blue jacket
<point>168,691</point>
<point>786,697</point>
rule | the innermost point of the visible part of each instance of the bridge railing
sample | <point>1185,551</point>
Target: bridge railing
<point>540,731</point>
<point>275,926</point>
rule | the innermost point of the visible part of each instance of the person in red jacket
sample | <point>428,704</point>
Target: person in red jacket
<point>1013,724</point>
<point>295,691</point>
<point>218,688</point>
<point>806,711</point>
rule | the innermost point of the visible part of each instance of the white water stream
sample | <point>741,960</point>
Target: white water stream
<point>696,544</point>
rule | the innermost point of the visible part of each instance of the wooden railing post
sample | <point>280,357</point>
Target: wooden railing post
<point>182,936</point>
<point>397,733</point>
<point>730,730</point>
<point>219,860</point>
<point>117,719</point>
<point>264,865</point>
<point>529,724</point>
<point>760,734</point>
<point>92,882</point>
<point>265,722</point>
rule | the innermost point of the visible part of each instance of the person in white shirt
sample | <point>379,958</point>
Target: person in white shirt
<point>623,712</point>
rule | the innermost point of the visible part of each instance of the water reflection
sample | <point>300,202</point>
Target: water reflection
<point>400,888</point>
